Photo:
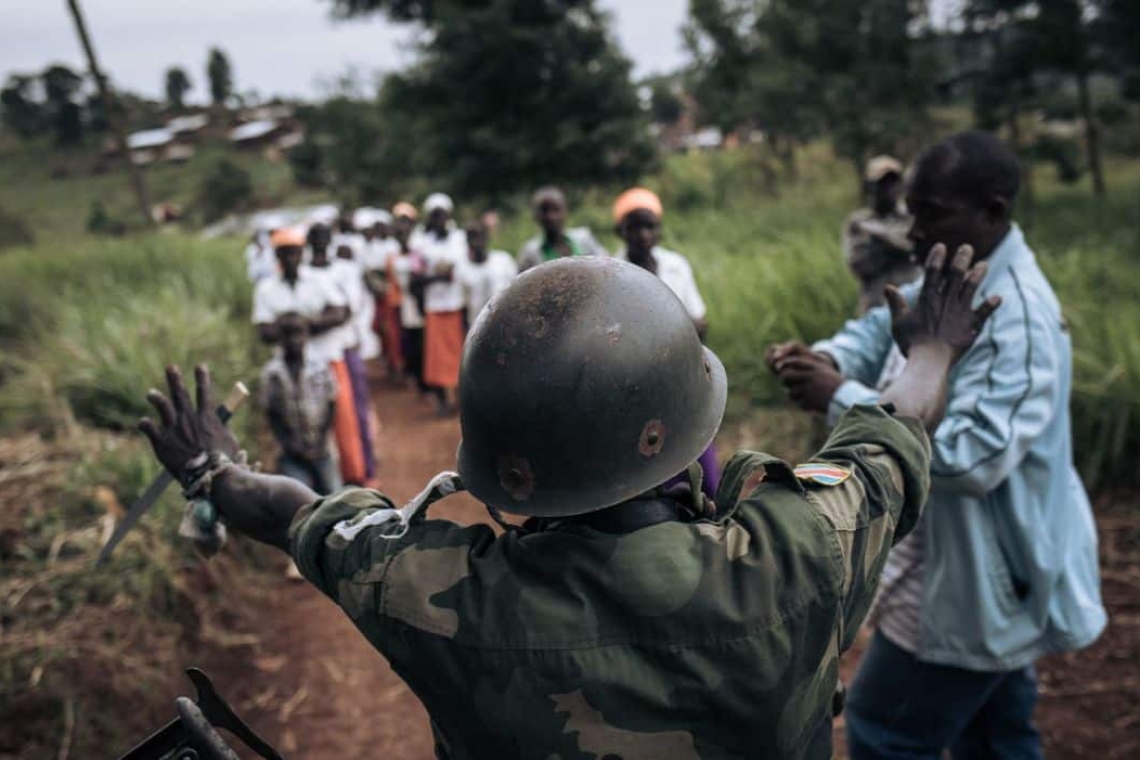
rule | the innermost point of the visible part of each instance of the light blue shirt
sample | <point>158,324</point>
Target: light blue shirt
<point>1011,568</point>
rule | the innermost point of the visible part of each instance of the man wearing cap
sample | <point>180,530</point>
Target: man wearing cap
<point>444,249</point>
<point>556,241</point>
<point>622,619</point>
<point>875,243</point>
<point>637,219</point>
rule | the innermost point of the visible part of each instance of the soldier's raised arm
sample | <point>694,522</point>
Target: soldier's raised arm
<point>936,332</point>
<point>872,477</point>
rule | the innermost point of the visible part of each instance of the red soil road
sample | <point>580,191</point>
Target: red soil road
<point>317,689</point>
<point>320,690</point>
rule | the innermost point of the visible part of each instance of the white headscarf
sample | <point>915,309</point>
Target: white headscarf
<point>438,201</point>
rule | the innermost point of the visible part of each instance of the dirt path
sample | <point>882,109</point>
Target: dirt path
<point>317,689</point>
<point>321,691</point>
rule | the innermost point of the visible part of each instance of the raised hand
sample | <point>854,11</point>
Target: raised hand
<point>943,315</point>
<point>186,431</point>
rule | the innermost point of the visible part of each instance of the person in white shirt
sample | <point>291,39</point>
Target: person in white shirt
<point>444,249</point>
<point>348,275</point>
<point>260,260</point>
<point>637,220</point>
<point>351,426</point>
<point>484,273</point>
<point>379,244</point>
<point>346,231</point>
<point>637,216</point>
<point>299,289</point>
<point>349,263</point>
<point>408,265</point>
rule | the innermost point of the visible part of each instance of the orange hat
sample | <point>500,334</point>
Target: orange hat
<point>635,199</point>
<point>403,208</point>
<point>287,236</point>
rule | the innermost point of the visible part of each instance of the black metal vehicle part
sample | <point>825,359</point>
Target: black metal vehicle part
<point>193,734</point>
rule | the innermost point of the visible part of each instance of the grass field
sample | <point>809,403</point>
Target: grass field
<point>768,265</point>
<point>86,325</point>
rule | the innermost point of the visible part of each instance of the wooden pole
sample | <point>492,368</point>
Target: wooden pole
<point>107,97</point>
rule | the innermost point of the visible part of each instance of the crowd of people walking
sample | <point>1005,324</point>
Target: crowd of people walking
<point>399,289</point>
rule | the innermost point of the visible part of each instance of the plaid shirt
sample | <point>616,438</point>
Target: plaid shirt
<point>300,404</point>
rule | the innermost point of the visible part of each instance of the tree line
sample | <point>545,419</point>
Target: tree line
<point>507,94</point>
<point>56,100</point>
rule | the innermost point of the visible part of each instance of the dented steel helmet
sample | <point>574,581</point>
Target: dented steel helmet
<point>583,384</point>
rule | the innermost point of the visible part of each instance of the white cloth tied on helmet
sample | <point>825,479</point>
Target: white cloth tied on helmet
<point>443,484</point>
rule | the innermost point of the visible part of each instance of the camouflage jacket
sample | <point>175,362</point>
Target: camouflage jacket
<point>709,638</point>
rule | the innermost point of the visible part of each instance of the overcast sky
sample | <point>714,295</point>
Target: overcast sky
<point>277,47</point>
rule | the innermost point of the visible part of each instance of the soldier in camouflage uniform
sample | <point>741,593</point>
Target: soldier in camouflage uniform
<point>621,621</point>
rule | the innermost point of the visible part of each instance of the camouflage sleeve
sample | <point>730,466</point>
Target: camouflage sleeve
<point>356,550</point>
<point>329,557</point>
<point>888,459</point>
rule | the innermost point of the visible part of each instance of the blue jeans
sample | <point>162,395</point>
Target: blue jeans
<point>321,475</point>
<point>899,707</point>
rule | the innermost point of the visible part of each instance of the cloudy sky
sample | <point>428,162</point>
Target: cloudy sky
<point>277,47</point>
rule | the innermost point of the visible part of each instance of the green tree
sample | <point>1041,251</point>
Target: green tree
<point>1117,27</point>
<point>61,85</point>
<point>221,76</point>
<point>549,101</point>
<point>345,148</point>
<point>1031,37</point>
<point>308,164</point>
<point>997,56</point>
<point>21,113</point>
<point>799,68</point>
<point>225,189</point>
<point>1063,36</point>
<point>177,85</point>
<point>665,104</point>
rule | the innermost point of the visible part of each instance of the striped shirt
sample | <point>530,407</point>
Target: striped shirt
<point>897,609</point>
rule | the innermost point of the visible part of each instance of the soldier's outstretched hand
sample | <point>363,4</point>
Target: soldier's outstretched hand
<point>186,429</point>
<point>944,313</point>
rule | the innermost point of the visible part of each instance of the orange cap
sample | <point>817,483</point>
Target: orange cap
<point>635,199</point>
<point>287,236</point>
<point>403,208</point>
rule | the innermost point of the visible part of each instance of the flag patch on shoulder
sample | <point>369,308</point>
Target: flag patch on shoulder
<point>823,474</point>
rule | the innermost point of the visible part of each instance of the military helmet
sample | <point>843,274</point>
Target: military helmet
<point>583,384</point>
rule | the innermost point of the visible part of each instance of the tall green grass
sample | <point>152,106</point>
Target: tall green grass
<point>85,330</point>
<point>88,329</point>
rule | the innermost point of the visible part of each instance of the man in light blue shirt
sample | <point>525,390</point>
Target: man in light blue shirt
<point>1005,569</point>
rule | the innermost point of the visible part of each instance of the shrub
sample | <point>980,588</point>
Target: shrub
<point>14,231</point>
<point>225,189</point>
<point>99,222</point>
